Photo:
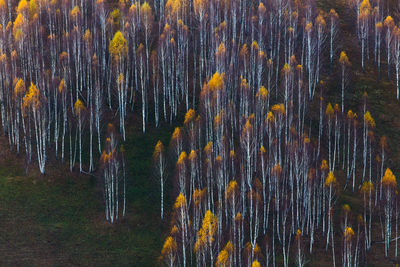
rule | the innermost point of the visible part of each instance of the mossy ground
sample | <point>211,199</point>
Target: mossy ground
<point>58,218</point>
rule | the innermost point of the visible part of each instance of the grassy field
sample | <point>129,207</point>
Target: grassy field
<point>58,219</point>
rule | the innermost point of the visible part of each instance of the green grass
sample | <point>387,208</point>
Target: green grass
<point>58,219</point>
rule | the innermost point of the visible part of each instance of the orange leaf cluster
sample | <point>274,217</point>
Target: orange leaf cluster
<point>118,46</point>
<point>330,180</point>
<point>369,120</point>
<point>205,236</point>
<point>389,179</point>
<point>367,187</point>
<point>79,107</point>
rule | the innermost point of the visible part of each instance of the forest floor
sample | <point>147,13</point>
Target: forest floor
<point>58,218</point>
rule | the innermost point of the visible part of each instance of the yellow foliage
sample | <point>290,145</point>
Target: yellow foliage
<point>330,180</point>
<point>199,7</point>
<point>343,59</point>
<point>306,140</point>
<point>222,259</point>
<point>254,45</point>
<point>189,116</point>
<point>261,8</point>
<point>298,232</point>
<point>278,108</point>
<point>106,157</point>
<point>282,109</point>
<point>118,46</point>
<point>174,7</point>
<point>348,233</point>
<point>309,27</point>
<point>63,56</point>
<point>19,88</point>
<point>218,159</point>
<point>336,108</point>
<point>221,51</point>
<point>120,79</point>
<point>270,117</point>
<point>245,84</point>
<point>333,13</point>
<point>255,264</point>
<point>219,118</point>
<point>14,55</point>
<point>75,12</point>
<point>9,25</point>
<point>33,8</point>
<point>169,246</point>
<point>87,36</point>
<point>216,82</point>
<point>22,7</point>
<point>51,37</point>
<point>18,26</point>
<point>174,230</point>
<point>365,9</point>
<point>360,219</point>
<point>123,3</point>
<point>115,18</point>
<point>205,235</point>
<point>208,148</point>
<point>158,149</point>
<point>229,247</point>
<point>320,21</point>
<point>247,127</point>
<point>231,190</point>
<point>3,5</point>
<point>286,68</point>
<point>62,87</point>
<point>261,55</point>
<point>329,110</point>
<point>367,187</point>
<point>389,179</point>
<point>176,134</point>
<point>369,120</point>
<point>238,217</point>
<point>192,155</point>
<point>145,11</point>
<point>295,15</point>
<point>79,107</point>
<point>346,208</point>
<point>19,34</point>
<point>350,114</point>
<point>133,10</point>
<point>180,201</point>
<point>3,58</point>
<point>31,99</point>
<point>389,22</point>
<point>182,158</point>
